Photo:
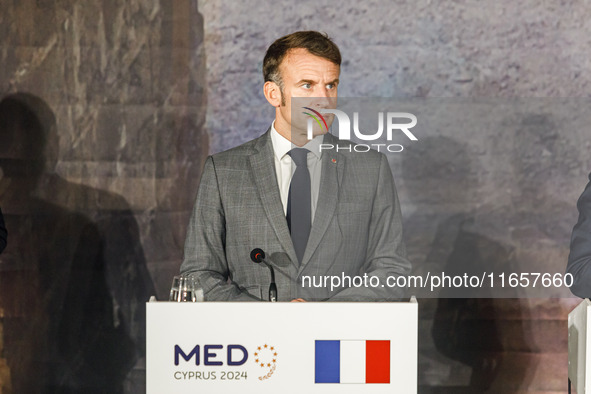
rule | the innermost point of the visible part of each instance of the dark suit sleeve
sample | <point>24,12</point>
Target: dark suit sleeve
<point>579,260</point>
<point>205,254</point>
<point>386,253</point>
<point>3,233</point>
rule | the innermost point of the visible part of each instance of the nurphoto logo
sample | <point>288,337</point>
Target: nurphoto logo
<point>393,126</point>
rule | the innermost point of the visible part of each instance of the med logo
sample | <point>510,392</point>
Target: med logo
<point>235,355</point>
<point>219,362</point>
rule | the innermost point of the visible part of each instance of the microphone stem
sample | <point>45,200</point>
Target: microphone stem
<point>273,292</point>
<point>272,286</point>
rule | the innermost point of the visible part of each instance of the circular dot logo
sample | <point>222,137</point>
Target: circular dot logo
<point>265,358</point>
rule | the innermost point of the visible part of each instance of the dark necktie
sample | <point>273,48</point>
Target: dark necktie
<point>299,210</point>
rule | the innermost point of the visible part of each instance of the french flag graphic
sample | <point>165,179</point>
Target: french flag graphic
<point>352,362</point>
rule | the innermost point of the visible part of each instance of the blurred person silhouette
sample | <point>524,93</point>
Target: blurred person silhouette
<point>446,235</point>
<point>128,280</point>
<point>73,279</point>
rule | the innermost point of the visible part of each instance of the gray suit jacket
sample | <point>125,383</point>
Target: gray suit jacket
<point>579,260</point>
<point>357,228</point>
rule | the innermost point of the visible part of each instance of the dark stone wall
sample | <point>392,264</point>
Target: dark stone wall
<point>101,146</point>
<point>106,114</point>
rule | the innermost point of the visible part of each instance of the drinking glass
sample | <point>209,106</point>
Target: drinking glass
<point>186,289</point>
<point>174,290</point>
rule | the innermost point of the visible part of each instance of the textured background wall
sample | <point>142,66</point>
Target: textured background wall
<point>111,94</point>
<point>126,97</point>
<point>484,196</point>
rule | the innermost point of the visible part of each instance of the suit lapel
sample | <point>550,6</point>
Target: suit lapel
<point>263,169</point>
<point>331,176</point>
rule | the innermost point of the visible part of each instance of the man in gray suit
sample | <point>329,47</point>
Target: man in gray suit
<point>579,260</point>
<point>328,219</point>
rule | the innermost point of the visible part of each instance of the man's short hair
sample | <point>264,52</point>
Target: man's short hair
<point>316,43</point>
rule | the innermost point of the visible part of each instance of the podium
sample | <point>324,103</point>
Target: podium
<point>224,347</point>
<point>579,347</point>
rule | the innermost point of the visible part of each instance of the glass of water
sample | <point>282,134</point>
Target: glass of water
<point>174,290</point>
<point>186,288</point>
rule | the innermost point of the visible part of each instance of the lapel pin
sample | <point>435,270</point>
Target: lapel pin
<point>334,160</point>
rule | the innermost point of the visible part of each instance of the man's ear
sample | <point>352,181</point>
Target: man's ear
<point>272,93</point>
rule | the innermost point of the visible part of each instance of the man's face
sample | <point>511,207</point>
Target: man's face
<point>313,78</point>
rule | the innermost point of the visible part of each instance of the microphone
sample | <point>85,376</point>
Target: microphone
<point>258,256</point>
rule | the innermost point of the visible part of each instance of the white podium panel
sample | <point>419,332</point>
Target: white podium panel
<point>214,347</point>
<point>579,346</point>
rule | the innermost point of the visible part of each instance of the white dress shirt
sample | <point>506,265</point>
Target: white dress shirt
<point>284,166</point>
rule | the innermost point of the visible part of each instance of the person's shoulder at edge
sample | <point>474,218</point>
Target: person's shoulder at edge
<point>579,259</point>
